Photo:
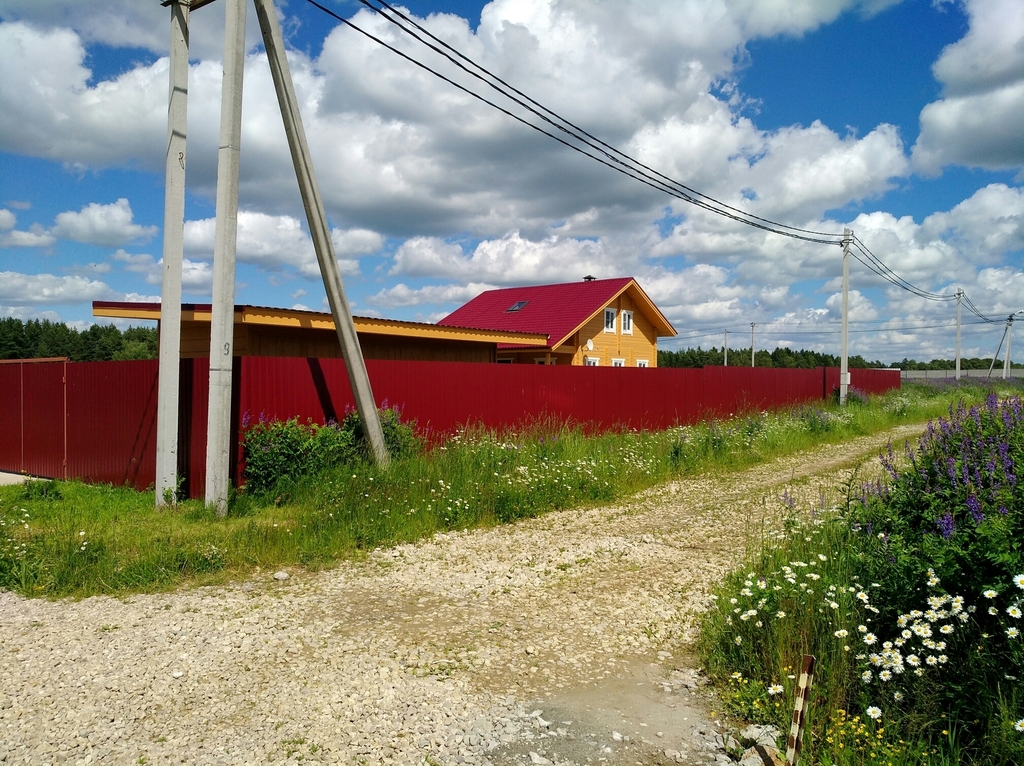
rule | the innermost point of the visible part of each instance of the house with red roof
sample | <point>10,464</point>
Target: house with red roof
<point>594,322</point>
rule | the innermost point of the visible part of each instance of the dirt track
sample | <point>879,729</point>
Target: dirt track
<point>442,649</point>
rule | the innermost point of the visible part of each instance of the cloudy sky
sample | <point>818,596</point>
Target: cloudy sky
<point>901,120</point>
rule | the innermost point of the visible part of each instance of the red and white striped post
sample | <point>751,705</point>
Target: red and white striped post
<point>803,696</point>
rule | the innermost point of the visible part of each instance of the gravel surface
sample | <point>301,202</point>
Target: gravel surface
<point>561,639</point>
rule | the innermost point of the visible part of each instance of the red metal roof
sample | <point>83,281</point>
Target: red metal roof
<point>554,310</point>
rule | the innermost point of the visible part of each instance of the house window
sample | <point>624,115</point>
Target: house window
<point>505,361</point>
<point>627,322</point>
<point>516,307</point>
<point>618,362</point>
<point>539,360</point>
<point>609,320</point>
<point>591,361</point>
<point>641,362</point>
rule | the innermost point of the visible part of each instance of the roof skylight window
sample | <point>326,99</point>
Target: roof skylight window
<point>518,305</point>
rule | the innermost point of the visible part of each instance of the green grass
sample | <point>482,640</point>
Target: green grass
<point>907,596</point>
<point>70,539</point>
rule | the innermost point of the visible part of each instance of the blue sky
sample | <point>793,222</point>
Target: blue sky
<point>898,119</point>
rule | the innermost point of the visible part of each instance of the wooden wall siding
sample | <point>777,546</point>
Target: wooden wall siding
<point>266,340</point>
<point>642,344</point>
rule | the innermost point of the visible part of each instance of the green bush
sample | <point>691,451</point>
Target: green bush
<point>277,451</point>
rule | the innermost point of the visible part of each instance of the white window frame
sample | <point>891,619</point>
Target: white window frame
<point>618,362</point>
<point>613,313</point>
<point>627,322</point>
<point>539,360</point>
<point>591,361</point>
<point>642,363</point>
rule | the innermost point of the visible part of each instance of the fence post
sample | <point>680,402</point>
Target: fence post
<point>803,695</point>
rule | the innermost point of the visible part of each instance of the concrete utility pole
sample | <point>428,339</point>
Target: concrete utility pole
<point>316,219</point>
<point>844,365</point>
<point>166,484</point>
<point>725,348</point>
<point>752,326</point>
<point>1009,335</point>
<point>959,298</point>
<point>222,320</point>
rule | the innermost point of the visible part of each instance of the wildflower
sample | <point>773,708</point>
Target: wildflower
<point>989,593</point>
<point>933,580</point>
<point>1014,612</point>
<point>736,676</point>
<point>746,592</point>
<point>841,633</point>
<point>1012,632</point>
<point>943,659</point>
<point>833,605</point>
<point>775,689</point>
<point>1018,580</point>
<point>885,675</point>
<point>898,696</point>
<point>932,660</point>
<point>1019,726</point>
<point>780,614</point>
<point>869,638</point>
<point>863,596</point>
<point>866,676</point>
<point>913,659</point>
<point>823,557</point>
<point>733,601</point>
<point>862,628</point>
<point>947,629</point>
<point>738,640</point>
<point>993,611</point>
<point>873,713</point>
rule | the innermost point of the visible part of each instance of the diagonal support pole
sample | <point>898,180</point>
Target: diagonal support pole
<point>803,697</point>
<point>316,219</point>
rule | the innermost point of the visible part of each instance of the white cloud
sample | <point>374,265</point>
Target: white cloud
<point>403,295</point>
<point>34,237</point>
<point>196,276</point>
<point>273,242</point>
<point>861,308</point>
<point>7,219</point>
<point>977,122</point>
<point>34,289</point>
<point>109,225</point>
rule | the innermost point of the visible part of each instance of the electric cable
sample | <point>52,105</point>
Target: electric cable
<point>611,162</point>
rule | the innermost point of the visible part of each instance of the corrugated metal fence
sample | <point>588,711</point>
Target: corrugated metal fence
<point>97,420</point>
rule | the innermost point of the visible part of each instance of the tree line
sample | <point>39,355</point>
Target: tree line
<point>100,343</point>
<point>738,357</point>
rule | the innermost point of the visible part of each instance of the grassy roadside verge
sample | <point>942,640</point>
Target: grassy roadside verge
<point>69,539</point>
<point>910,594</point>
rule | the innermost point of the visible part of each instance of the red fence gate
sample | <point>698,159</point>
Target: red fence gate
<point>96,421</point>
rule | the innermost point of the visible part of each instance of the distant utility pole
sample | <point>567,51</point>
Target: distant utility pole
<point>168,383</point>
<point>752,326</point>
<point>959,298</point>
<point>844,364</point>
<point>725,348</point>
<point>1009,335</point>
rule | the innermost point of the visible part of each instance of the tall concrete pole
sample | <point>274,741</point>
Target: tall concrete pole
<point>316,219</point>
<point>844,365</point>
<point>170,291</point>
<point>752,326</point>
<point>222,320</point>
<point>1009,335</point>
<point>725,349</point>
<point>959,298</point>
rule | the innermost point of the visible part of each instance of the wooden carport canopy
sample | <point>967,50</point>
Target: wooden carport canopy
<point>263,331</point>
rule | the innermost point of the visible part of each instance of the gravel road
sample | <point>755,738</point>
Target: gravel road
<point>561,639</point>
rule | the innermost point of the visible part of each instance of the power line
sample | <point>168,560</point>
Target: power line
<point>607,158</point>
<point>610,156</point>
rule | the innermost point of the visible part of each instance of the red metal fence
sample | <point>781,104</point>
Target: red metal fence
<point>97,420</point>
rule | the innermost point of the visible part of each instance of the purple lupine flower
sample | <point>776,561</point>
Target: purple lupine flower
<point>974,506</point>
<point>946,525</point>
<point>1002,510</point>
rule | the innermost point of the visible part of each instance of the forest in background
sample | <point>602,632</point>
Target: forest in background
<point>37,339</point>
